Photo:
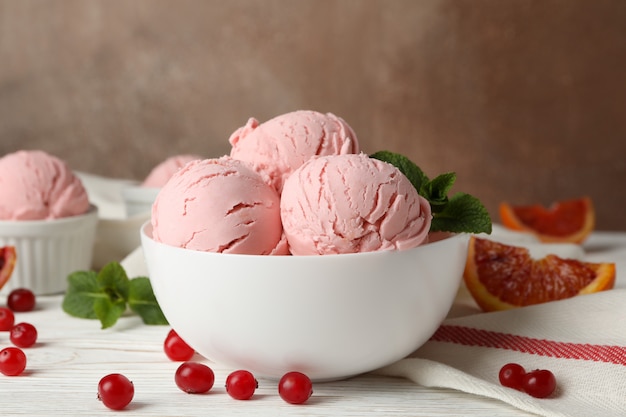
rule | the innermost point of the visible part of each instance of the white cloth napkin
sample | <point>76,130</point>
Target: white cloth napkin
<point>117,235</point>
<point>581,340</point>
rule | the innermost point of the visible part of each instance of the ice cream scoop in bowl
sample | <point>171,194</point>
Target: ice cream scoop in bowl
<point>330,316</point>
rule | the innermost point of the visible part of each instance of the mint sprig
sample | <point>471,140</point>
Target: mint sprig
<point>105,296</point>
<point>461,213</point>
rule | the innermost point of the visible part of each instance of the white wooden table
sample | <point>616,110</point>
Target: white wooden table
<point>72,354</point>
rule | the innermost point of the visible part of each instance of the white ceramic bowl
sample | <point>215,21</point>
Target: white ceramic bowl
<point>138,199</point>
<point>330,317</point>
<point>49,250</point>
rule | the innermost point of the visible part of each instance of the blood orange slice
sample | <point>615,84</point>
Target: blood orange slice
<point>566,221</point>
<point>7,263</point>
<point>502,277</point>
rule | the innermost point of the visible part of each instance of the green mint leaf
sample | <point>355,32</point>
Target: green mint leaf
<point>406,166</point>
<point>82,292</point>
<point>142,301</point>
<point>108,310</point>
<point>463,214</point>
<point>114,282</point>
<point>106,294</point>
<point>438,189</point>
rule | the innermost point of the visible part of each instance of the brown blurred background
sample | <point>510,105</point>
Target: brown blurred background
<point>525,100</point>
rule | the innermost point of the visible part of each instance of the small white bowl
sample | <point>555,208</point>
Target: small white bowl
<point>138,199</point>
<point>331,317</point>
<point>49,250</point>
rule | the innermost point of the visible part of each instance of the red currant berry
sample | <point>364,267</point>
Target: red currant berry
<point>241,385</point>
<point>23,335</point>
<point>12,361</point>
<point>7,319</point>
<point>512,375</point>
<point>295,387</point>
<point>539,383</point>
<point>176,348</point>
<point>115,391</point>
<point>194,378</point>
<point>21,299</point>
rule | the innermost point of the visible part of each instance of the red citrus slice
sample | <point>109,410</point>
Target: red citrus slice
<point>7,263</point>
<point>566,221</point>
<point>502,277</point>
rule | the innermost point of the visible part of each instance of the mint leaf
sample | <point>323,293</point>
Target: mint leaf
<point>82,292</point>
<point>142,301</point>
<point>406,166</point>
<point>108,310</point>
<point>437,191</point>
<point>114,285</point>
<point>463,214</point>
<point>105,296</point>
<point>114,281</point>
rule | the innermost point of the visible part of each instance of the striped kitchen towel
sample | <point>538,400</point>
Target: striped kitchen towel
<point>582,340</point>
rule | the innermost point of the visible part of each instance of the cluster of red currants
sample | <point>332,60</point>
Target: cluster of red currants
<point>196,378</point>
<point>22,335</point>
<point>116,391</point>
<point>539,383</point>
<point>192,377</point>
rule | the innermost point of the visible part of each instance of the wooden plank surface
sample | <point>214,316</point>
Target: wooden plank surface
<point>72,354</point>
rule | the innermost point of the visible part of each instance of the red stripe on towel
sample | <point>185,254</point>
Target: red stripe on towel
<point>583,351</point>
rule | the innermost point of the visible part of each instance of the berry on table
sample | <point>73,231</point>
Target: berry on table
<point>115,391</point>
<point>7,319</point>
<point>176,348</point>
<point>241,384</point>
<point>23,335</point>
<point>12,361</point>
<point>295,387</point>
<point>21,299</point>
<point>194,378</point>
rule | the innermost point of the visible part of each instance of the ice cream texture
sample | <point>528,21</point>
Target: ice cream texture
<point>280,145</point>
<point>162,172</point>
<point>219,205</point>
<point>351,203</point>
<point>38,186</point>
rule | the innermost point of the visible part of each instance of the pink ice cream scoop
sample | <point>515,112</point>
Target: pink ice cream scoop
<point>279,146</point>
<point>36,186</point>
<point>351,203</point>
<point>219,205</point>
<point>161,173</point>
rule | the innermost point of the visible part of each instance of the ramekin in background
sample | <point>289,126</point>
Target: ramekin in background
<point>49,250</point>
